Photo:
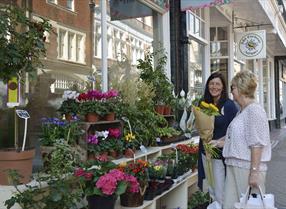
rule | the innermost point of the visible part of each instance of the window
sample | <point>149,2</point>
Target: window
<point>70,4</point>
<point>62,35</point>
<point>195,23</point>
<point>71,45</point>
<point>219,42</point>
<point>195,69</point>
<point>52,1</point>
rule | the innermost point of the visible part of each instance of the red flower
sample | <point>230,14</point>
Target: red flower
<point>88,176</point>
<point>79,172</point>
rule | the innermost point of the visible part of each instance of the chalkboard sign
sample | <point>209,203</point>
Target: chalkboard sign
<point>22,114</point>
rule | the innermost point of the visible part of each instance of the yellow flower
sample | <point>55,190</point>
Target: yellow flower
<point>157,167</point>
<point>197,108</point>
<point>129,137</point>
<point>122,164</point>
<point>212,106</point>
<point>205,105</point>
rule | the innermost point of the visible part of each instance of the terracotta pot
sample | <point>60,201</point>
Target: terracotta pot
<point>19,161</point>
<point>91,117</point>
<point>68,117</point>
<point>101,202</point>
<point>109,117</point>
<point>129,153</point>
<point>114,154</point>
<point>159,109</point>
<point>167,110</point>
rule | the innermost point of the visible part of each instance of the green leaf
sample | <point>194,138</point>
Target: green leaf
<point>121,188</point>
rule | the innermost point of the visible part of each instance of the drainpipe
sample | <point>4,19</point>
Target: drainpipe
<point>277,97</point>
<point>91,17</point>
<point>104,47</point>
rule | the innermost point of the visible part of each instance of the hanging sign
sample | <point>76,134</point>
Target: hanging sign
<point>13,92</point>
<point>197,4</point>
<point>251,45</point>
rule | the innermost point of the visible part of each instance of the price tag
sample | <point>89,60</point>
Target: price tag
<point>143,149</point>
<point>23,114</point>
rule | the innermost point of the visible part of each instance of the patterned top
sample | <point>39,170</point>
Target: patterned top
<point>249,128</point>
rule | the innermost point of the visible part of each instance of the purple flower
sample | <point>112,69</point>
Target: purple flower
<point>92,139</point>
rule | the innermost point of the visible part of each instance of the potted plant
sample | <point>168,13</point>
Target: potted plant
<point>102,183</point>
<point>138,169</point>
<point>199,200</point>
<point>69,107</point>
<point>95,104</point>
<point>54,130</point>
<point>22,45</point>
<point>105,142</point>
<point>157,78</point>
<point>57,190</point>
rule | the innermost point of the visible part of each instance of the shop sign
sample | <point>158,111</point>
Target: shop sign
<point>197,4</point>
<point>251,45</point>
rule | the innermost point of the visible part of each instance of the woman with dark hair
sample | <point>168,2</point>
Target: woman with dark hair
<point>216,93</point>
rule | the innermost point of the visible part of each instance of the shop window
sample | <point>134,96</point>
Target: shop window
<point>195,23</point>
<point>219,42</point>
<point>220,65</point>
<point>195,69</point>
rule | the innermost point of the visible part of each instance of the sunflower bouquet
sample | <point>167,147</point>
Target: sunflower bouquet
<point>204,122</point>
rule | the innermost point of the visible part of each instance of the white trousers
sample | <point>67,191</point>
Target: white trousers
<point>217,193</point>
<point>236,184</point>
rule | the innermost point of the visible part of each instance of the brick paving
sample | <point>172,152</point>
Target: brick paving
<point>276,175</point>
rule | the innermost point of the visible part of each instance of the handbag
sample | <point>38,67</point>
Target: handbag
<point>255,201</point>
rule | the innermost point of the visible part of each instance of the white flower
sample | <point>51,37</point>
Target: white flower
<point>182,93</point>
<point>96,167</point>
<point>103,134</point>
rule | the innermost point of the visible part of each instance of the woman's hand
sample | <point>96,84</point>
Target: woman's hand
<point>217,143</point>
<point>253,179</point>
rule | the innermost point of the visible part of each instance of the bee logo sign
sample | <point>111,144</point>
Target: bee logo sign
<point>251,45</point>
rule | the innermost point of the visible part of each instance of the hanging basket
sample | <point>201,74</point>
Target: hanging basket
<point>129,199</point>
<point>101,202</point>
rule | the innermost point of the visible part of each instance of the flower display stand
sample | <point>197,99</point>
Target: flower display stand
<point>173,196</point>
<point>91,127</point>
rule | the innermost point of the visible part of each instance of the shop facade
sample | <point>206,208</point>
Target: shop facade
<point>210,40</point>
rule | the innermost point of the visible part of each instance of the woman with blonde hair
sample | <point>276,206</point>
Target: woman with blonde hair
<point>247,146</point>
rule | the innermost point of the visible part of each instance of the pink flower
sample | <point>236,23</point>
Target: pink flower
<point>117,174</point>
<point>111,93</point>
<point>102,158</point>
<point>133,183</point>
<point>79,172</point>
<point>107,184</point>
<point>88,176</point>
<point>114,132</point>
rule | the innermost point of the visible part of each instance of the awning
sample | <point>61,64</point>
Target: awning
<point>196,4</point>
<point>122,9</point>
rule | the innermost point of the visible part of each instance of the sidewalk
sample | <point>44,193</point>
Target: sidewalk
<point>276,175</point>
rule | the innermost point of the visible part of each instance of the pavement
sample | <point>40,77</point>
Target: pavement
<point>276,174</point>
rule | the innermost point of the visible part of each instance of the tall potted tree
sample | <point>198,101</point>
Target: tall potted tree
<point>22,43</point>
